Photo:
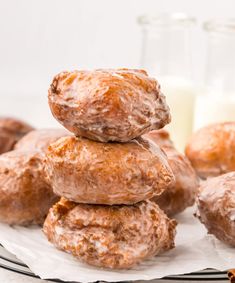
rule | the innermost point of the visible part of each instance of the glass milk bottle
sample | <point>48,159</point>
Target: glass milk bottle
<point>217,102</point>
<point>167,55</point>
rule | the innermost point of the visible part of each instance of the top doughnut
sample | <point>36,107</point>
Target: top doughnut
<point>107,104</point>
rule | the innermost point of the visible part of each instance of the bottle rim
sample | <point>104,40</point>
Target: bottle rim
<point>166,20</point>
<point>220,25</point>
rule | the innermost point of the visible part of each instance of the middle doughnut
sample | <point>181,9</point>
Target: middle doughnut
<point>86,171</point>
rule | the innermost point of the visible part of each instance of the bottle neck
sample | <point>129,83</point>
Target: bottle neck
<point>167,50</point>
<point>220,64</point>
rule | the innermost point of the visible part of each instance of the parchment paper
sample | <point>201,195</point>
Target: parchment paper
<point>194,251</point>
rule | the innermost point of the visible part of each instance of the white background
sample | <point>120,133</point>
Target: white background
<point>39,38</point>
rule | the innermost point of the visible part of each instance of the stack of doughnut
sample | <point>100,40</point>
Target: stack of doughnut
<point>211,151</point>
<point>107,172</point>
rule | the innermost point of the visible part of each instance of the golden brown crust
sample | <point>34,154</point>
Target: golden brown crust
<point>108,105</point>
<point>110,236</point>
<point>216,207</point>
<point>211,150</point>
<point>25,197</point>
<point>11,130</point>
<point>40,139</point>
<point>86,171</point>
<point>180,194</point>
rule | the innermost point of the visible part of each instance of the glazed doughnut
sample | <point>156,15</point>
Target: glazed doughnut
<point>40,139</point>
<point>216,207</point>
<point>114,237</point>
<point>25,196</point>
<point>211,150</point>
<point>180,194</point>
<point>86,171</point>
<point>11,130</point>
<point>108,105</point>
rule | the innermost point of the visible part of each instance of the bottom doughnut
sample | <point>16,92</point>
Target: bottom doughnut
<point>116,237</point>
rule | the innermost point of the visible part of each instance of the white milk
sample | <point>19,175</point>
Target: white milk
<point>213,108</point>
<point>180,96</point>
